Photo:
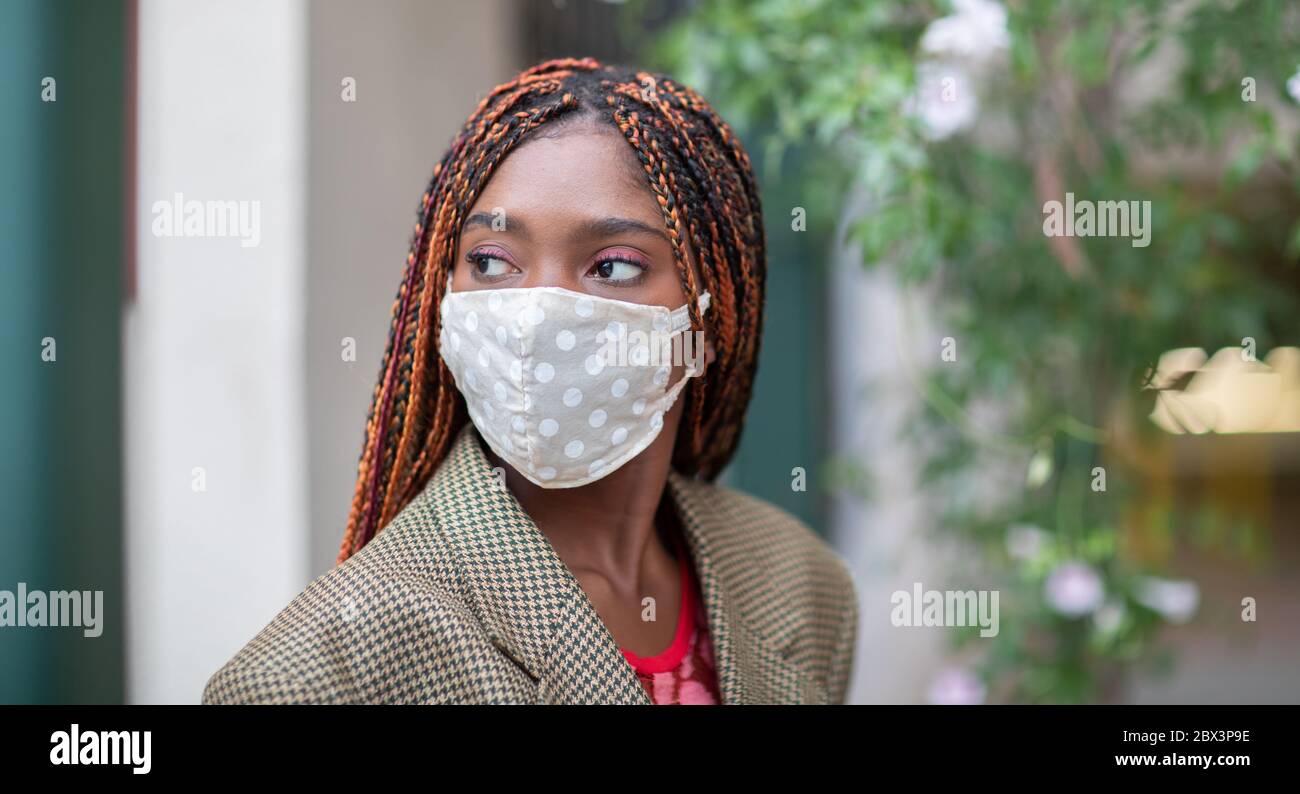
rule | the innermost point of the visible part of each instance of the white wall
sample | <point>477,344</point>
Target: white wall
<point>873,346</point>
<point>233,354</point>
<point>214,343</point>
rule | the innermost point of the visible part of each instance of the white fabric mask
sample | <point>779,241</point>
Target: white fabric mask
<point>566,387</point>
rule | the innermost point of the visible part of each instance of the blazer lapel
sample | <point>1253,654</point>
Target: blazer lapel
<point>751,667</point>
<point>537,613</point>
<point>531,604</point>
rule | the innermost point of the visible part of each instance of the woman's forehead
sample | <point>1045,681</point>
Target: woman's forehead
<point>584,173</point>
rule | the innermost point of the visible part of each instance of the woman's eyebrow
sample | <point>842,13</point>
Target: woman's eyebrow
<point>599,228</point>
<point>494,221</point>
<point>612,227</point>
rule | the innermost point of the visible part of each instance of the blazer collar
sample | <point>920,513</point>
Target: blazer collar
<point>538,614</point>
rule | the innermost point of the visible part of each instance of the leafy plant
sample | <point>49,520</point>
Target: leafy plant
<point>957,125</point>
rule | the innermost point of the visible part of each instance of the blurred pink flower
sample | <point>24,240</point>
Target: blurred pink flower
<point>1074,589</point>
<point>956,686</point>
<point>976,29</point>
<point>956,49</point>
<point>944,101</point>
<point>1175,601</point>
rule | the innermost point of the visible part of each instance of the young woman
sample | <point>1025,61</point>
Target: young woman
<point>571,354</point>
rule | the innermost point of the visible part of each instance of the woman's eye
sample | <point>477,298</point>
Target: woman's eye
<point>618,270</point>
<point>489,266</point>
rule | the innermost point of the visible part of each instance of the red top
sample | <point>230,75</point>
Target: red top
<point>683,673</point>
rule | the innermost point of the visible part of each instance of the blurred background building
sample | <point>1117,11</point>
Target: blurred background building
<point>192,448</point>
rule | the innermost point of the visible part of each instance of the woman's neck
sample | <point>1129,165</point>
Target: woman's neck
<point>607,527</point>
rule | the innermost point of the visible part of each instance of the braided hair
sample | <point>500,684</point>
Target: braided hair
<point>701,178</point>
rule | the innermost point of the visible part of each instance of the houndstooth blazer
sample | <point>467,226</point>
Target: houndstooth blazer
<point>461,599</point>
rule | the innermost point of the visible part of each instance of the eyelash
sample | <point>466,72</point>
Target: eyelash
<point>480,255</point>
<point>623,255</point>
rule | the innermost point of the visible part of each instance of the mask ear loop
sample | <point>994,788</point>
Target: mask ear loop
<point>680,322</point>
<point>704,301</point>
<point>680,318</point>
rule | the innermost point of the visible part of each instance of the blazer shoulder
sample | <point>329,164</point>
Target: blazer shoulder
<point>793,587</point>
<point>396,603</point>
<point>771,536</point>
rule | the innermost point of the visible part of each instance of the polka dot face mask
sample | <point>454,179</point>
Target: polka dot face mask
<point>566,387</point>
